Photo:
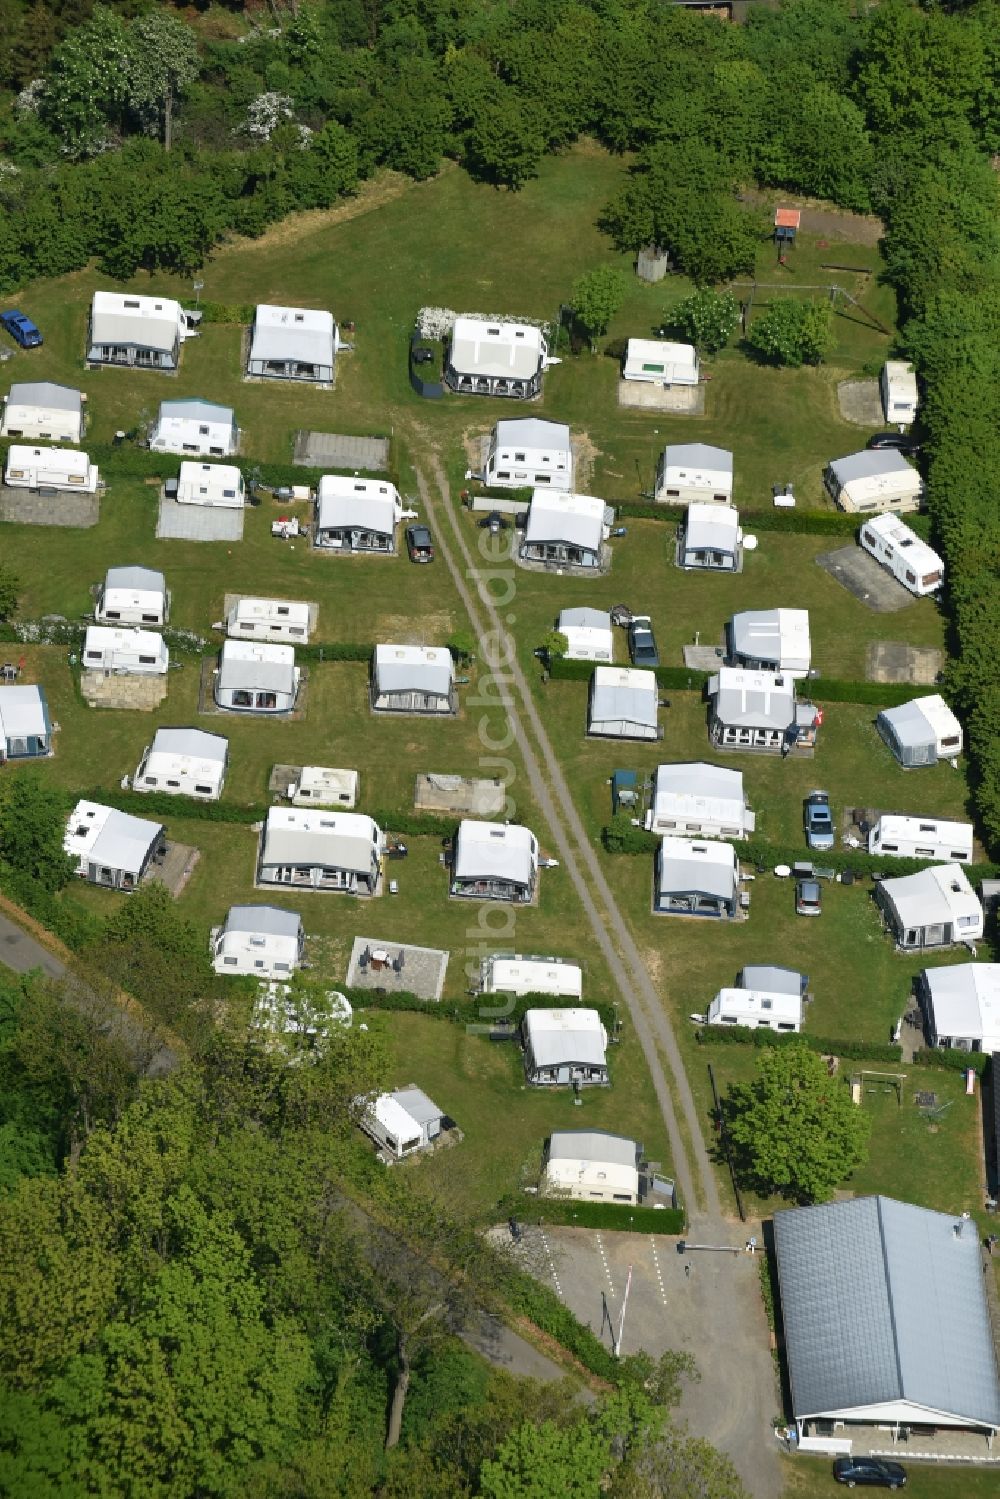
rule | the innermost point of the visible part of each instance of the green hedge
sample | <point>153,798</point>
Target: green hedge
<point>130,461</point>
<point>795,522</point>
<point>223,312</point>
<point>543,1307</point>
<point>141,803</point>
<point>60,914</point>
<point>744,1035</point>
<point>619,836</point>
<point>817,689</point>
<point>615,1217</point>
<point>954,1061</point>
<point>470,1011</point>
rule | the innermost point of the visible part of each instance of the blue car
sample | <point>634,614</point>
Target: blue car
<point>21,329</point>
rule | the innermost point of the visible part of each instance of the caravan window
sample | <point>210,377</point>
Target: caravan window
<point>203,790</point>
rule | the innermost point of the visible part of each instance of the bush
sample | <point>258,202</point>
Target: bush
<point>224,312</point>
<point>620,836</point>
<point>60,914</point>
<point>952,1059</point>
<point>744,1035</point>
<point>541,1306</point>
<point>470,1012</point>
<point>615,1217</point>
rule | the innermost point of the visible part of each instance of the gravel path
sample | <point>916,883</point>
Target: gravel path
<point>736,1397</point>
<point>624,960</point>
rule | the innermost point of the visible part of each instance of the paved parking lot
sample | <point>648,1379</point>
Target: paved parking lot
<point>704,1303</point>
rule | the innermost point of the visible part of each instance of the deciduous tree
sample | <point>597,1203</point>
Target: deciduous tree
<point>792,332</point>
<point>794,1127</point>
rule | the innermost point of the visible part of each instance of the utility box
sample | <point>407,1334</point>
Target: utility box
<point>652,264</point>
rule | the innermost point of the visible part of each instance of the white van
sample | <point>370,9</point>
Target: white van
<point>921,838</point>
<point>901,552</point>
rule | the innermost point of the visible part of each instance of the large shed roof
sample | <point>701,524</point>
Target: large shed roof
<point>883,1304</point>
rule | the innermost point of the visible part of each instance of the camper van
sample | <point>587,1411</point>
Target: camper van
<point>321,786</point>
<point>901,552</point>
<point>282,620</point>
<point>922,838</point>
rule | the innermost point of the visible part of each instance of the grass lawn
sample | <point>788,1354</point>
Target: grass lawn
<point>478,1082</point>
<point>812,1478</point>
<point>851,763</point>
<point>782,572</point>
<point>96,747</point>
<point>460,244</point>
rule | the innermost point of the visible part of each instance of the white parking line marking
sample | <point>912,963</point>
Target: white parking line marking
<point>552,1263</point>
<point>604,1258</point>
<point>659,1272</point>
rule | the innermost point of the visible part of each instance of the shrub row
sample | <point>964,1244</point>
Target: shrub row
<point>620,836</point>
<point>60,914</point>
<point>223,312</point>
<point>190,809</point>
<point>131,461</point>
<point>818,689</point>
<point>744,1035</point>
<point>615,1217</point>
<point>479,1011</point>
<point>951,1059</point>
<point>530,1299</point>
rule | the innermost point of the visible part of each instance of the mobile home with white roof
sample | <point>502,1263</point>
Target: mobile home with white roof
<point>111,848</point>
<point>193,425</point>
<point>921,732</point>
<point>496,358</point>
<point>281,620</point>
<point>356,515</point>
<point>512,973</point>
<point>657,362</point>
<point>43,412</point>
<point>140,332</point>
<point>184,762</point>
<point>293,343</point>
<point>50,468</point>
<point>264,941</point>
<point>211,484</point>
<point>921,838</point>
<point>126,652</point>
<point>899,392</point>
<point>694,471</point>
<point>324,786</point>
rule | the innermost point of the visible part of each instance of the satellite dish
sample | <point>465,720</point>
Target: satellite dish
<point>749,543</point>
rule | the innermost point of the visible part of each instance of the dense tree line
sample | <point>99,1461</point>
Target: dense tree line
<point>143,140</point>
<point>193,1302</point>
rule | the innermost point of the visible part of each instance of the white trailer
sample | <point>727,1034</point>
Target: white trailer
<point>282,620</point>
<point>755,1009</point>
<point>211,484</point>
<point>323,786</point>
<point>50,468</point>
<point>511,973</point>
<point>921,838</point>
<point>901,552</point>
<point>899,392</point>
<point>139,653</point>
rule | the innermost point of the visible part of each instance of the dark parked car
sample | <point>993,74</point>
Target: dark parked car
<point>494,522</point>
<point>901,441</point>
<point>808,898</point>
<point>419,544</point>
<point>642,642</point>
<point>819,823</point>
<point>869,1472</point>
<point>21,329</point>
